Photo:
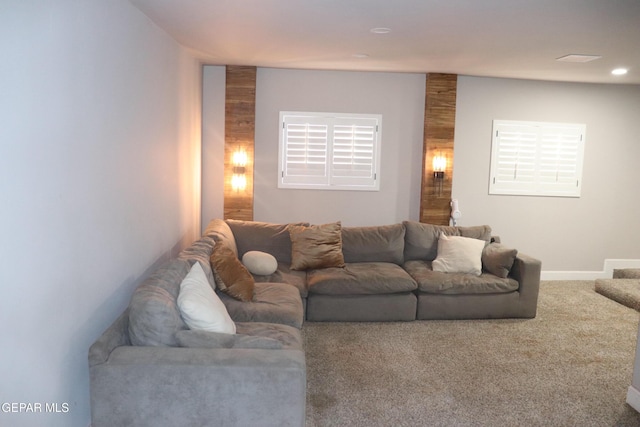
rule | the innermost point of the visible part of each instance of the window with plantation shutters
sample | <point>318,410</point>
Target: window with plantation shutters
<point>329,151</point>
<point>537,158</point>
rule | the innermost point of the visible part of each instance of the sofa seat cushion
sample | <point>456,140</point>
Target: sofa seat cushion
<point>284,274</point>
<point>272,303</point>
<point>434,282</point>
<point>362,278</point>
<point>288,336</point>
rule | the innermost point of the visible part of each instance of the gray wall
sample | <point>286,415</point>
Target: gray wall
<point>567,234</point>
<point>400,100</point>
<point>213,98</point>
<point>99,182</point>
<point>398,97</point>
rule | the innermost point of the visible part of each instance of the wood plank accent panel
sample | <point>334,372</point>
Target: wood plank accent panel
<point>239,133</point>
<point>439,128</point>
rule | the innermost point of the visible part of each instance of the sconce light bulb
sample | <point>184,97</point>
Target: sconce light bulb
<point>439,163</point>
<point>240,158</point>
<point>238,182</point>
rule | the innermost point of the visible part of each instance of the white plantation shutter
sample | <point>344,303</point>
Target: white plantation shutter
<point>353,156</point>
<point>329,151</point>
<point>514,161</point>
<point>536,158</point>
<point>306,149</point>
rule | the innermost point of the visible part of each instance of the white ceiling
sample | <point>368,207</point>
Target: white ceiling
<point>498,38</point>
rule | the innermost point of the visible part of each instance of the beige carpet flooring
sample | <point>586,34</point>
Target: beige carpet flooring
<point>570,366</point>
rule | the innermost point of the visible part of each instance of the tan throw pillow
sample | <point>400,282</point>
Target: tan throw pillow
<point>458,254</point>
<point>316,246</point>
<point>231,276</point>
<point>498,259</point>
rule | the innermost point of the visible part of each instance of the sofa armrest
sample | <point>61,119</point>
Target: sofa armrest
<point>169,386</point>
<point>526,271</point>
<point>115,336</point>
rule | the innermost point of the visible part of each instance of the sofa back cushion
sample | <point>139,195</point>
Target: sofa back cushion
<point>421,240</point>
<point>200,251</point>
<point>480,232</point>
<point>219,230</point>
<point>266,237</point>
<point>374,244</point>
<point>154,317</point>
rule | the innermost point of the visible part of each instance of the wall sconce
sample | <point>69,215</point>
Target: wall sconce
<point>239,178</point>
<point>439,166</point>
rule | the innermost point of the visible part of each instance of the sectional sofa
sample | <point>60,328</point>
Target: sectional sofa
<point>153,367</point>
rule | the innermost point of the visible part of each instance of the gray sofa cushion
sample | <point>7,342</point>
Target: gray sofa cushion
<point>204,339</point>
<point>480,232</point>
<point>255,335</point>
<point>373,244</point>
<point>266,237</point>
<point>365,278</point>
<point>154,317</point>
<point>421,240</point>
<point>288,336</point>
<point>434,282</point>
<point>362,308</point>
<point>284,274</point>
<point>200,251</point>
<point>272,303</point>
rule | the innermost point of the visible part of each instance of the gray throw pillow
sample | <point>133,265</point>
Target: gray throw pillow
<point>498,259</point>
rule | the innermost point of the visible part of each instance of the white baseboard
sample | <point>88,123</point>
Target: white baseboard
<point>606,273</point>
<point>633,398</point>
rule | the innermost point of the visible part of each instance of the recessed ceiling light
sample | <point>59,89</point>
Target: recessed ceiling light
<point>381,30</point>
<point>619,71</point>
<point>578,58</point>
<point>360,55</point>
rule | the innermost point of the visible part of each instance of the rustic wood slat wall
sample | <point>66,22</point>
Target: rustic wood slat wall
<point>439,127</point>
<point>240,107</point>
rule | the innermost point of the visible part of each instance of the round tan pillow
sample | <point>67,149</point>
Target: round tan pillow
<point>260,263</point>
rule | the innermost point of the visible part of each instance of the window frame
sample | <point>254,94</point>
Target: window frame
<point>345,157</point>
<point>537,158</point>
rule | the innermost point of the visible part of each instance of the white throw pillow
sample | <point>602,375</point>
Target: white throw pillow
<point>199,305</point>
<point>260,263</point>
<point>457,254</point>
